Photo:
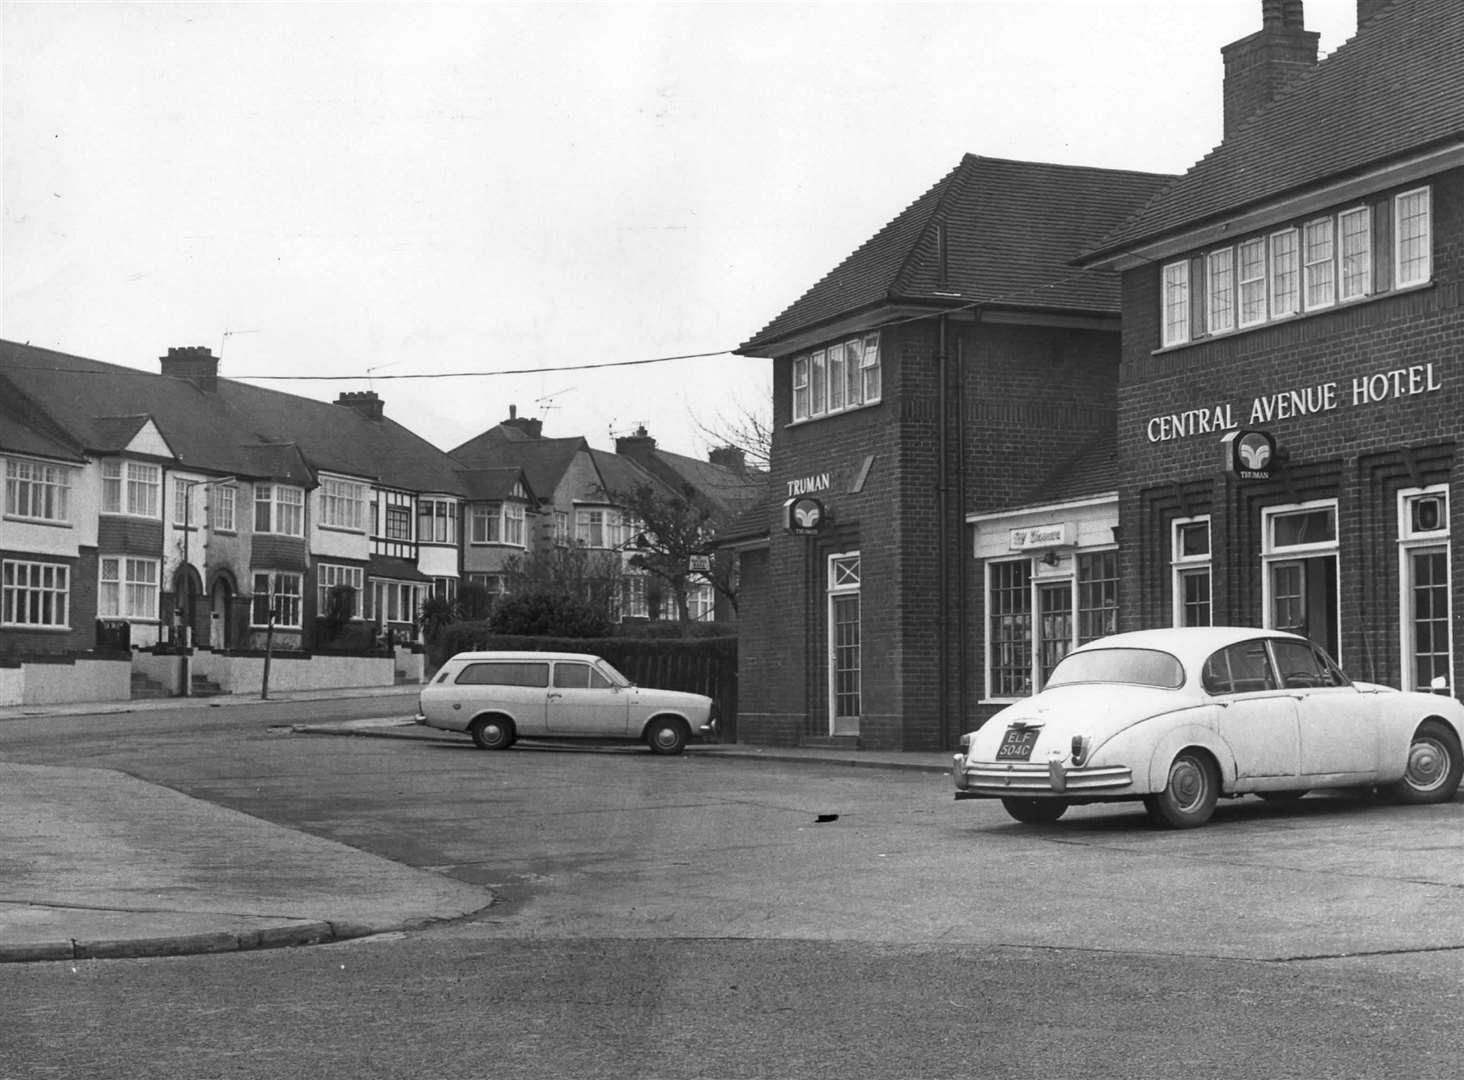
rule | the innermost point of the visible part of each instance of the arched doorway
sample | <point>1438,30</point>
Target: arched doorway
<point>187,589</point>
<point>220,630</point>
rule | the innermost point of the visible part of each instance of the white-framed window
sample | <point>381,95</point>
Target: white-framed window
<point>497,523</point>
<point>1319,264</point>
<point>37,491</point>
<point>842,376</point>
<point>1097,594</point>
<point>1009,628</point>
<point>1356,256</point>
<point>279,509</point>
<point>1251,271</point>
<point>1425,600</point>
<point>701,601</point>
<point>1176,324</point>
<point>393,601</point>
<point>1413,237</point>
<point>342,504</point>
<point>1300,587</point>
<point>221,501</point>
<point>436,521</point>
<point>1190,559</point>
<point>1220,290</point>
<point>132,488</point>
<point>561,528</point>
<point>633,604</point>
<point>398,523</point>
<point>800,388</point>
<point>329,576</point>
<point>128,588</point>
<point>35,594</point>
<point>183,515</point>
<point>1285,274</point>
<point>282,590</point>
<point>599,528</point>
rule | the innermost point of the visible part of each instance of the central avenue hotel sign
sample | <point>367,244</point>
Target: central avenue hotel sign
<point>1312,400</point>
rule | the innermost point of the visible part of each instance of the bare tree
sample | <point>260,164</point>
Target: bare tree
<point>749,429</point>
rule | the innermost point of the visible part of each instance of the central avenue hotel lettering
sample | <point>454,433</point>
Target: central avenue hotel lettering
<point>1324,397</point>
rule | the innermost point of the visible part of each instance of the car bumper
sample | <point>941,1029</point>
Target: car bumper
<point>995,779</point>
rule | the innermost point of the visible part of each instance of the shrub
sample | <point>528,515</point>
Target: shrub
<point>548,613</point>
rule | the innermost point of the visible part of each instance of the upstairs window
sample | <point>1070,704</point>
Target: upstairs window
<point>38,492</point>
<point>436,521</point>
<point>837,378</point>
<point>1176,304</point>
<point>279,509</point>
<point>342,504</point>
<point>1413,228</point>
<point>1311,266</point>
<point>131,488</point>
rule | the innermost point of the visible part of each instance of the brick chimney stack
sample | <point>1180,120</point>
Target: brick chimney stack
<point>637,446</point>
<point>196,363</point>
<point>364,402</point>
<point>534,429</point>
<point>729,457</point>
<point>1259,67</point>
<point>1366,9</point>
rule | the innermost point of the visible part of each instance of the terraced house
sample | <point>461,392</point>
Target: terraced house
<point>185,514</point>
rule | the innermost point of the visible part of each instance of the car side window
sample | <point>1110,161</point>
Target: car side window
<point>599,680</point>
<point>505,673</point>
<point>572,676</point>
<point>1302,666</point>
<point>1238,669</point>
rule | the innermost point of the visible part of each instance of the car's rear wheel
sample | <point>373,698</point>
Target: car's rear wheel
<point>666,736</point>
<point>1189,794</point>
<point>492,732</point>
<point>1435,765</point>
<point>1035,811</point>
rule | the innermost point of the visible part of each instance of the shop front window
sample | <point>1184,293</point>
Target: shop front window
<point>1010,633</point>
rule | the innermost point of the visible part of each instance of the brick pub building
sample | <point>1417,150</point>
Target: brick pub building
<point>974,469</point>
<point>1299,290</point>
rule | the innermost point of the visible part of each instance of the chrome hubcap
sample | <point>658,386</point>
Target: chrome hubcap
<point>1428,764</point>
<point>1187,782</point>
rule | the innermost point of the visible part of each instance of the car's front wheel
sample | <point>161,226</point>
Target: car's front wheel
<point>1435,765</point>
<point>1035,811</point>
<point>492,732</point>
<point>1189,794</point>
<point>667,736</point>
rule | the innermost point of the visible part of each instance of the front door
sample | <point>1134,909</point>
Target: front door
<point>845,655</point>
<point>1055,628</point>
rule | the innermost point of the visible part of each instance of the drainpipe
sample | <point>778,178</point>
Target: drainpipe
<point>963,561</point>
<point>943,606</point>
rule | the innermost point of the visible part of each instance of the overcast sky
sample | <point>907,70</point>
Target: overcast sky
<point>372,190</point>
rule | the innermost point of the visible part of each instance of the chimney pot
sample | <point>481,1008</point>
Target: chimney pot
<point>364,402</point>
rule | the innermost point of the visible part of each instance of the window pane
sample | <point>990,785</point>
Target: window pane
<point>1284,283</point>
<point>1356,228</point>
<point>1252,272</point>
<point>1010,607</point>
<point>1319,269</point>
<point>1220,290</point>
<point>1176,303</point>
<point>819,378</point>
<point>1414,231</point>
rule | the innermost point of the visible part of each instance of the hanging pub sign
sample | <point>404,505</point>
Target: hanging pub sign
<point>1252,454</point>
<point>803,515</point>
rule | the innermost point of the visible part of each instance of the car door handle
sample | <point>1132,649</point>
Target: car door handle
<point>555,697</point>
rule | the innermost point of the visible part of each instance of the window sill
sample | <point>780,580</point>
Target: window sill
<point>47,523</point>
<point>838,412</point>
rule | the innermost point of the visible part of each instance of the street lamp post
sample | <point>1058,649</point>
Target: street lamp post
<point>186,649</point>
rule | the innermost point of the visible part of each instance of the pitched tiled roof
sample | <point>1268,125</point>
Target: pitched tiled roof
<point>729,491</point>
<point>1012,228</point>
<point>236,429</point>
<point>495,485</point>
<point>544,461</point>
<point>1394,90</point>
<point>620,473</point>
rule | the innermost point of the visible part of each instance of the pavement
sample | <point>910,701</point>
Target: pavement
<point>97,864</point>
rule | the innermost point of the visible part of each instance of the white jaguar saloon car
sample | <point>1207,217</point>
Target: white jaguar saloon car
<point>1179,718</point>
<point>498,697</point>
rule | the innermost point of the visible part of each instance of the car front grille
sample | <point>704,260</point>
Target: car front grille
<point>1003,777</point>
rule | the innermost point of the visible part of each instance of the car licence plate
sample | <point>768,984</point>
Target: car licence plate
<point>1016,744</point>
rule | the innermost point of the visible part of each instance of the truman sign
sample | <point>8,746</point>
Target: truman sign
<point>1310,401</point>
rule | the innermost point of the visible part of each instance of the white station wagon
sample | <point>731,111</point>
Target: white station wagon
<point>498,697</point>
<point>1177,718</point>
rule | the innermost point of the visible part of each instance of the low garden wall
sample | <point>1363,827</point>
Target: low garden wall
<point>65,681</point>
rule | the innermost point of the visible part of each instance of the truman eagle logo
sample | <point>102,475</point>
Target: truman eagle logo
<point>804,515</point>
<point>1253,455</point>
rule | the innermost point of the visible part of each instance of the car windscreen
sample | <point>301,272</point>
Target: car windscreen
<point>505,673</point>
<point>1133,667</point>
